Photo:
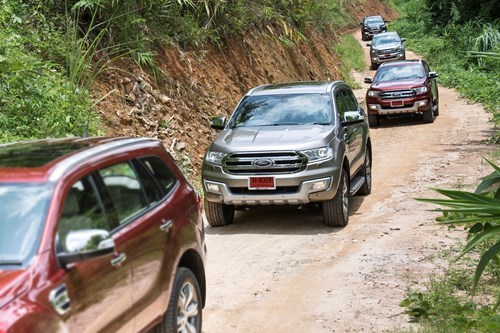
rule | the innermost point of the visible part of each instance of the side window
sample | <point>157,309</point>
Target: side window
<point>82,210</point>
<point>160,171</point>
<point>124,189</point>
<point>427,69</point>
<point>340,102</point>
<point>353,102</point>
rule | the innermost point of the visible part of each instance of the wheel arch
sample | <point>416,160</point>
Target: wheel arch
<point>192,260</point>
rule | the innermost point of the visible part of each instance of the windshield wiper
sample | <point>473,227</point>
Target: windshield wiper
<point>319,123</point>
<point>10,262</point>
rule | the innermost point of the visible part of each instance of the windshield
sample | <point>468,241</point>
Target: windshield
<point>406,72</point>
<point>23,209</point>
<point>289,109</point>
<point>374,20</point>
<point>385,40</point>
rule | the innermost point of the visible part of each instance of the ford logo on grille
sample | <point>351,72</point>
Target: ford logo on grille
<point>263,163</point>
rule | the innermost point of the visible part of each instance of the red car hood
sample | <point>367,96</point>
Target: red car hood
<point>12,284</point>
<point>398,85</point>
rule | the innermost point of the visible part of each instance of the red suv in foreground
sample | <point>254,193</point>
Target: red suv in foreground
<point>402,87</point>
<point>98,234</point>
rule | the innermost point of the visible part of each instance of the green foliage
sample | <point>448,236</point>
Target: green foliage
<point>481,211</point>
<point>352,57</point>
<point>442,309</point>
<point>36,100</point>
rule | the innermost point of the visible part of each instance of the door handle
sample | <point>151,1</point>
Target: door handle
<point>166,225</point>
<point>59,299</point>
<point>118,260</point>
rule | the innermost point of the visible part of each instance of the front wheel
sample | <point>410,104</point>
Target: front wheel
<point>373,120</point>
<point>336,210</point>
<point>429,116</point>
<point>184,313</point>
<point>218,214</point>
<point>374,66</point>
<point>366,173</point>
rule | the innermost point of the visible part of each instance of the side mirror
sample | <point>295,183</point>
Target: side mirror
<point>350,117</point>
<point>361,23</point>
<point>386,21</point>
<point>403,39</point>
<point>84,244</point>
<point>218,123</point>
<point>368,44</point>
<point>433,75</point>
<point>368,80</point>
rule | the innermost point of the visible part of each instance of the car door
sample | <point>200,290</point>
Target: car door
<point>147,217</point>
<point>351,131</point>
<point>91,295</point>
<point>432,83</point>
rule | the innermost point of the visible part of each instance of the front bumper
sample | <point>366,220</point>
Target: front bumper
<point>317,183</point>
<point>381,58</point>
<point>386,109</point>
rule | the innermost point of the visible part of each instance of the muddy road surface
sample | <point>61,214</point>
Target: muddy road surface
<point>279,269</point>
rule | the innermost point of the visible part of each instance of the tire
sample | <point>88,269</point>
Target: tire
<point>336,210</point>
<point>436,110</point>
<point>366,172</point>
<point>184,313</point>
<point>373,120</point>
<point>429,116</point>
<point>219,215</point>
<point>373,67</point>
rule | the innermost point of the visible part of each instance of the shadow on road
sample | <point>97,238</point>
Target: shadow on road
<point>282,220</point>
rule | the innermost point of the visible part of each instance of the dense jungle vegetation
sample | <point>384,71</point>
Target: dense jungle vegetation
<point>51,51</point>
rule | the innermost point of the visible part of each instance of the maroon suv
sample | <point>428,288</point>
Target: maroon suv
<point>98,234</point>
<point>402,87</point>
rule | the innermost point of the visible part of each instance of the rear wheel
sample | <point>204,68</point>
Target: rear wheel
<point>336,210</point>
<point>373,120</point>
<point>184,313</point>
<point>218,214</point>
<point>366,173</point>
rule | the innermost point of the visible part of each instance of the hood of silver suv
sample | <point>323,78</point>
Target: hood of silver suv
<point>281,137</point>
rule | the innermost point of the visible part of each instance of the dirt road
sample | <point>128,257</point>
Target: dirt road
<point>279,269</point>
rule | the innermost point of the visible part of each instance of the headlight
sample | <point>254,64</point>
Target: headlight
<point>420,90</point>
<point>214,157</point>
<point>401,48</point>
<point>374,51</point>
<point>318,154</point>
<point>372,93</point>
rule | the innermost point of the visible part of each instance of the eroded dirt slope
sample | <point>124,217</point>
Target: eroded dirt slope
<point>194,86</point>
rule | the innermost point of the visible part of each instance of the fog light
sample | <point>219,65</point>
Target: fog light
<point>372,107</point>
<point>320,185</point>
<point>211,187</point>
<point>422,103</point>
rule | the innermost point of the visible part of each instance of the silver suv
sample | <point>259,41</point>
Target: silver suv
<point>289,144</point>
<point>386,46</point>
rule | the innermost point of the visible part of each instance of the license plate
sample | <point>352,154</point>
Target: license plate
<point>261,183</point>
<point>397,103</point>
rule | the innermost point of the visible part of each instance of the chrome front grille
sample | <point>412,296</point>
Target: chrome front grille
<point>268,163</point>
<point>385,51</point>
<point>397,94</point>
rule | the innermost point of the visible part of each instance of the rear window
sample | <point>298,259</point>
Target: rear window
<point>23,210</point>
